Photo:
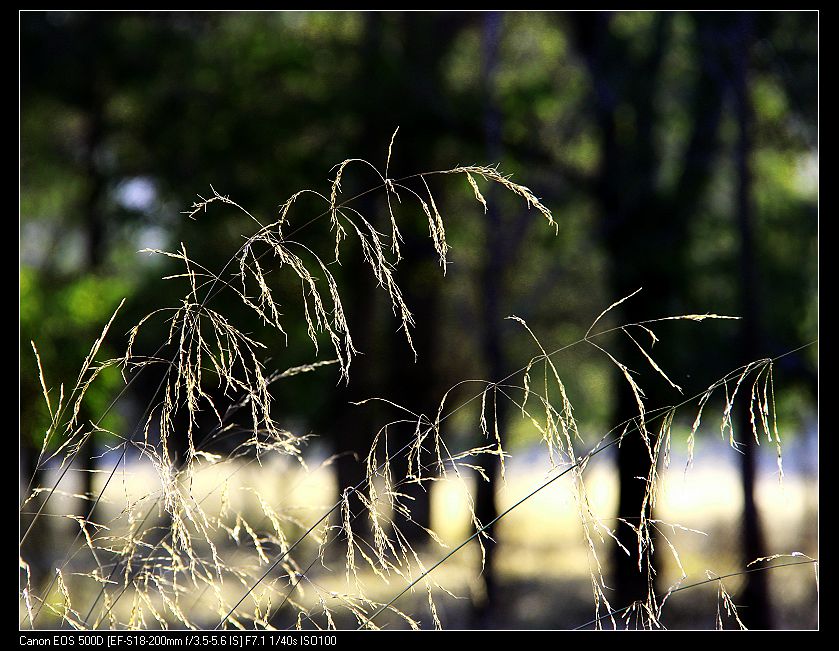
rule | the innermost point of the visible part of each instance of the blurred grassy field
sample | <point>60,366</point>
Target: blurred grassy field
<point>543,560</point>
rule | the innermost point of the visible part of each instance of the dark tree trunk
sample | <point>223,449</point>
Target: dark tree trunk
<point>630,228</point>
<point>756,611</point>
<point>92,208</point>
<point>94,226</point>
<point>407,379</point>
<point>644,229</point>
<point>353,428</point>
<point>491,288</point>
<point>350,428</point>
<point>411,380</point>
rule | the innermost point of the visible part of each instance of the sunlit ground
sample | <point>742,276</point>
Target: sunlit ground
<point>543,561</point>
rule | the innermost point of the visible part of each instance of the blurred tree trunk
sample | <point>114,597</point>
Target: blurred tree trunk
<point>491,287</point>
<point>756,611</point>
<point>94,227</point>
<point>411,379</point>
<point>644,228</point>
<point>631,230</point>
<point>413,70</point>
<point>352,428</point>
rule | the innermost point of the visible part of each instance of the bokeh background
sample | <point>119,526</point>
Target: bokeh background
<point>677,151</point>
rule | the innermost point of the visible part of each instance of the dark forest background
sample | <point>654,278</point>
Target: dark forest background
<point>678,152</point>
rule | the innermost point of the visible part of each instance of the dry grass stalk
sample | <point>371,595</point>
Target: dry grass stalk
<point>192,557</point>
